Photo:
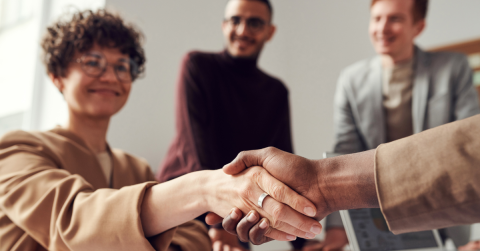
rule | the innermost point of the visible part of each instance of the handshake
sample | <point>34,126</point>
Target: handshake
<point>294,193</point>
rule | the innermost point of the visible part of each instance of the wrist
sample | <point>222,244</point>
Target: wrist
<point>347,181</point>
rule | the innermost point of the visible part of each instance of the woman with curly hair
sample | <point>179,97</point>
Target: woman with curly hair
<point>66,189</point>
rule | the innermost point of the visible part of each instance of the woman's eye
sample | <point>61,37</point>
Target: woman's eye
<point>122,68</point>
<point>92,63</point>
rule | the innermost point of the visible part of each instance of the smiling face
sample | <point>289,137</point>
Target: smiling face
<point>240,29</point>
<point>94,97</point>
<point>392,28</point>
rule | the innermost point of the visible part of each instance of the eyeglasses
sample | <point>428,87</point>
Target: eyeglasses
<point>253,24</point>
<point>94,64</point>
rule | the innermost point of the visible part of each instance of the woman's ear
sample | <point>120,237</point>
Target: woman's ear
<point>57,82</point>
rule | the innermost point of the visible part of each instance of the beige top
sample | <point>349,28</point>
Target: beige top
<point>105,161</point>
<point>53,196</point>
<point>397,100</point>
<point>431,180</point>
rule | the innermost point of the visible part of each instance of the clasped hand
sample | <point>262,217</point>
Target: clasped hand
<point>285,211</point>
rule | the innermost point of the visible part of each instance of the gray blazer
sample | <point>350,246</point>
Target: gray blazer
<point>442,92</point>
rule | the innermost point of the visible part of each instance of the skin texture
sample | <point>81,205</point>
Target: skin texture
<point>241,42</point>
<point>344,182</point>
<point>392,30</point>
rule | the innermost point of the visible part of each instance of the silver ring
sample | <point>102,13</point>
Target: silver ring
<point>261,198</point>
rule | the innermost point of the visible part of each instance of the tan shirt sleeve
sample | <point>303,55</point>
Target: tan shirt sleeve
<point>431,180</point>
<point>190,236</point>
<point>62,211</point>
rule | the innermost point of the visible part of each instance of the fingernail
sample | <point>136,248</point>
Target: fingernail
<point>263,224</point>
<point>291,237</point>
<point>309,235</point>
<point>309,211</point>
<point>234,215</point>
<point>316,229</point>
<point>251,217</point>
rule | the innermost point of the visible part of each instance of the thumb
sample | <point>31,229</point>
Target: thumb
<point>248,159</point>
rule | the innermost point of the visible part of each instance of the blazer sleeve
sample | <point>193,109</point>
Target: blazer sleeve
<point>347,136</point>
<point>466,97</point>
<point>62,211</point>
<point>430,180</point>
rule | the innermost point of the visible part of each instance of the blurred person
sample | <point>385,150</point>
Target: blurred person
<point>67,189</point>
<point>422,182</point>
<point>226,104</point>
<point>402,91</point>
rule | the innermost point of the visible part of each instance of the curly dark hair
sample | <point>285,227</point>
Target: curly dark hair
<point>86,28</point>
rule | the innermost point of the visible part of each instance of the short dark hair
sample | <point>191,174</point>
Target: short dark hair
<point>419,9</point>
<point>267,3</point>
<point>86,28</point>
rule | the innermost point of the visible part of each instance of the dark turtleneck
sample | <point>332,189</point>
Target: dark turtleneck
<point>224,105</point>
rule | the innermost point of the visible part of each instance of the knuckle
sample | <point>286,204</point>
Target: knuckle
<point>278,192</point>
<point>302,225</point>
<point>278,212</point>
<point>270,150</point>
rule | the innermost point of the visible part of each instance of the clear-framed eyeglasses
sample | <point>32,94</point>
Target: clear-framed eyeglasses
<point>94,64</point>
<point>253,24</point>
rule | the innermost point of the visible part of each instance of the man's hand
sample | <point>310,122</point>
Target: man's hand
<point>332,184</point>
<point>299,173</point>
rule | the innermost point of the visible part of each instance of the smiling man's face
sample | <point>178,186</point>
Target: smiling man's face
<point>247,27</point>
<point>392,27</point>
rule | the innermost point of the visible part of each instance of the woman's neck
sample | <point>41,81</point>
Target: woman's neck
<point>92,130</point>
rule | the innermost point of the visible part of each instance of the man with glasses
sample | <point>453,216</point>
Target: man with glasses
<point>225,104</point>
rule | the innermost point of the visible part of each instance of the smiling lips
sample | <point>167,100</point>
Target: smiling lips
<point>243,41</point>
<point>385,40</point>
<point>105,92</point>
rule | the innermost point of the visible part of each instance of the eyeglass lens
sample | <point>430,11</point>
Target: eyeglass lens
<point>95,65</point>
<point>254,24</point>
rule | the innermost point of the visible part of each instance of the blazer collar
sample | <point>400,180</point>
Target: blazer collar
<point>73,137</point>
<point>376,134</point>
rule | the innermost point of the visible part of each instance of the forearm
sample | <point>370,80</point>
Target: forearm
<point>172,203</point>
<point>348,181</point>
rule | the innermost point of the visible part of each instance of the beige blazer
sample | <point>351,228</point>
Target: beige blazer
<point>432,179</point>
<point>54,196</point>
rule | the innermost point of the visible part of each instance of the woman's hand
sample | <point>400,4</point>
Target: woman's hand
<point>284,209</point>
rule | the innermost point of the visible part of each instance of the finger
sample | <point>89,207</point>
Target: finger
<point>281,216</point>
<point>217,246</point>
<point>230,222</point>
<point>213,218</point>
<point>258,231</point>
<point>245,224</point>
<point>278,235</point>
<point>284,194</point>
<point>306,227</point>
<point>226,247</point>
<point>248,159</point>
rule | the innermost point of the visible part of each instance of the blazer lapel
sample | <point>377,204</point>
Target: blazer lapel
<point>420,90</point>
<point>373,114</point>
